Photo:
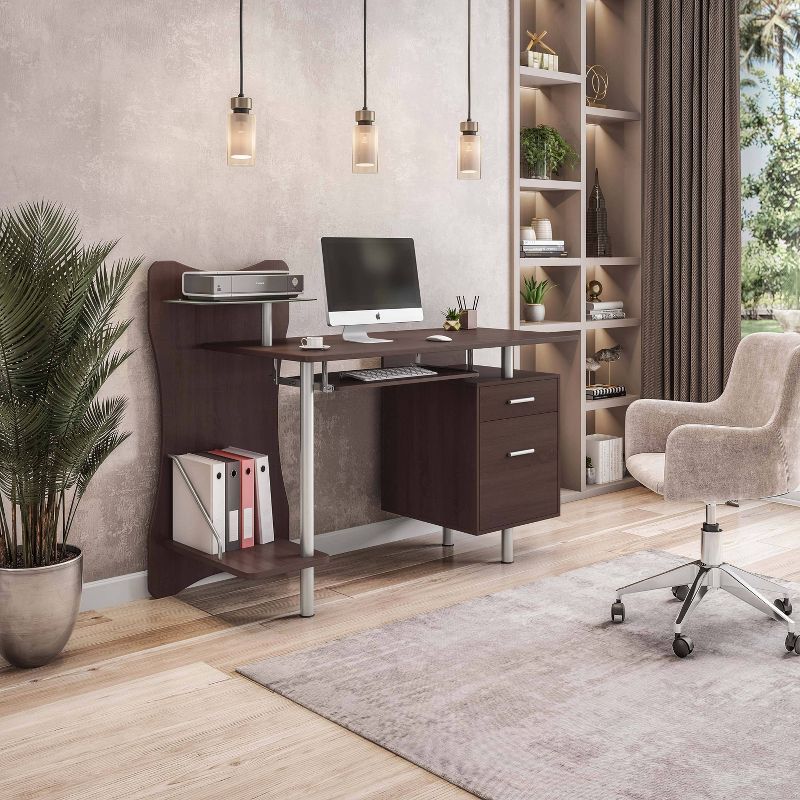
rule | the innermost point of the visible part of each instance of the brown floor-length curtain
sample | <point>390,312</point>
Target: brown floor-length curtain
<point>691,233</point>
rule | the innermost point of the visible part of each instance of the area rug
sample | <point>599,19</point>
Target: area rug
<point>534,694</point>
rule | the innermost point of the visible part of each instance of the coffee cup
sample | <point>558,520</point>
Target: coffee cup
<point>314,342</point>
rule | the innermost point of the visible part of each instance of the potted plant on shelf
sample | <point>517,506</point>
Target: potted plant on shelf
<point>58,336</point>
<point>544,151</point>
<point>533,294</point>
<point>590,474</point>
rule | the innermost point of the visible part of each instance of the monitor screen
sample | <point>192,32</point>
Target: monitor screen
<point>370,274</point>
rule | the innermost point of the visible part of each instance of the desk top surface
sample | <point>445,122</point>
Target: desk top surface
<point>404,342</point>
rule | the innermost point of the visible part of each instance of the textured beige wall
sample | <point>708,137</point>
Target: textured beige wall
<point>117,110</point>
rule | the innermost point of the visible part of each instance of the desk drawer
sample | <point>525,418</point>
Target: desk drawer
<point>519,399</point>
<point>522,486</point>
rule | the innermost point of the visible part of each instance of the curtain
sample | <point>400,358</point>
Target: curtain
<point>691,232</point>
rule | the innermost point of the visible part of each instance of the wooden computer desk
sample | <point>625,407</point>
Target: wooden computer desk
<point>219,386</point>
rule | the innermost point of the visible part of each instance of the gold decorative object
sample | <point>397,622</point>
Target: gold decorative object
<point>541,60</point>
<point>596,86</point>
<point>594,288</point>
<point>452,325</point>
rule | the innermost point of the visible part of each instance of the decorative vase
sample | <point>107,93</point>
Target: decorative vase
<point>540,168</point>
<point>542,228</point>
<point>533,312</point>
<point>590,476</point>
<point>452,325</point>
<point>39,608</point>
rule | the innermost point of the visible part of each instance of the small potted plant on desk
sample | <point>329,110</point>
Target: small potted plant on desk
<point>452,319</point>
<point>533,294</point>
<point>544,151</point>
<point>57,348</point>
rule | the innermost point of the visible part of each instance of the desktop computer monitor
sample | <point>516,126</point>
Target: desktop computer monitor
<point>369,282</point>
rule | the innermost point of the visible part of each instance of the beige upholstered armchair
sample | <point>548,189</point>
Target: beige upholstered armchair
<point>745,445</point>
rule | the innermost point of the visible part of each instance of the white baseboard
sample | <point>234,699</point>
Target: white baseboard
<point>133,586</point>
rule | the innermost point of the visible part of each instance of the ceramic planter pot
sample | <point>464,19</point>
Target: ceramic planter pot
<point>452,325</point>
<point>533,312</point>
<point>39,608</point>
<point>590,476</point>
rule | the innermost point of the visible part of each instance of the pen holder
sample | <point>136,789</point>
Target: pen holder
<point>468,319</point>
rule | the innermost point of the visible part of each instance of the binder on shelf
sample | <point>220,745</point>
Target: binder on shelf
<point>188,525</point>
<point>233,493</point>
<point>265,525</point>
<point>247,470</point>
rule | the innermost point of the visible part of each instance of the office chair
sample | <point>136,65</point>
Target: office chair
<point>745,445</point>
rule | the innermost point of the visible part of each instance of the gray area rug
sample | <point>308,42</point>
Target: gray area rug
<point>533,693</point>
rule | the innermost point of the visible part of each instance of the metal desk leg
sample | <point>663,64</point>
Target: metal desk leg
<point>307,486</point>
<point>447,537</point>
<point>507,362</point>
<point>507,546</point>
<point>507,542</point>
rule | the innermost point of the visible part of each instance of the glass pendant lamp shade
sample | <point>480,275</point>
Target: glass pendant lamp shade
<point>365,132</point>
<point>365,142</point>
<point>241,133</point>
<point>469,143</point>
<point>242,120</point>
<point>469,152</point>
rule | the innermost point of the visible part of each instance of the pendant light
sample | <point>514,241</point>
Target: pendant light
<point>242,121</point>
<point>469,143</point>
<point>365,132</point>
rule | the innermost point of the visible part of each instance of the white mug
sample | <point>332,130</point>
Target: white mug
<point>315,342</point>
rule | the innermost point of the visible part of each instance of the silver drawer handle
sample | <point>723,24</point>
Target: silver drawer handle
<point>515,453</point>
<point>520,400</point>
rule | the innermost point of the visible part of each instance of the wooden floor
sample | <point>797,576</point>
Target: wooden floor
<point>145,703</point>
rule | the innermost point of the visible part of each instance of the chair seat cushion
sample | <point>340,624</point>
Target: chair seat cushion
<point>648,469</point>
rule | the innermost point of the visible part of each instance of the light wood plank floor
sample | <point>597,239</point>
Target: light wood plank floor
<point>145,703</point>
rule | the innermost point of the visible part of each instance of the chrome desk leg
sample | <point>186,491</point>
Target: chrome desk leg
<point>507,546</point>
<point>507,361</point>
<point>266,324</point>
<point>307,486</point>
<point>447,537</point>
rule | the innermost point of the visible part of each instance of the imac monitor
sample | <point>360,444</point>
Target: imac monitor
<point>369,282</point>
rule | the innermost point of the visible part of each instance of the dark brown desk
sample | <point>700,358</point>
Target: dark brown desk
<point>410,344</point>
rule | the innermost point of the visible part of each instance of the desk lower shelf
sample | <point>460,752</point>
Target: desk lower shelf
<point>281,557</point>
<point>339,381</point>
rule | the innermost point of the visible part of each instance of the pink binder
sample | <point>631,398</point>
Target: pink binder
<point>247,468</point>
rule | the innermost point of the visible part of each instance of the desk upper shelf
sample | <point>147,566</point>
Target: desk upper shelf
<point>405,342</point>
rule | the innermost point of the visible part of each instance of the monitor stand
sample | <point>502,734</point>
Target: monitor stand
<point>358,333</point>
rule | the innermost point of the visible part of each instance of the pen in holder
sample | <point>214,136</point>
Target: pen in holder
<point>468,316</point>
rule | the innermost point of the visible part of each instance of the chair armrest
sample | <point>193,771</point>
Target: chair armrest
<point>648,423</point>
<point>714,464</point>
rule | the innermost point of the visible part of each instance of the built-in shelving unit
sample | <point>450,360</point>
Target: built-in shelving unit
<point>583,33</point>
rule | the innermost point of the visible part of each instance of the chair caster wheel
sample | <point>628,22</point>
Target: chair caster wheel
<point>792,643</point>
<point>784,605</point>
<point>682,645</point>
<point>618,612</point>
<point>680,592</point>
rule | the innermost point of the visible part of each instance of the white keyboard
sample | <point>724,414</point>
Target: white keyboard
<point>388,373</point>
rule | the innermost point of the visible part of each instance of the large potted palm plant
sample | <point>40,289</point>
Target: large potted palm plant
<point>58,338</point>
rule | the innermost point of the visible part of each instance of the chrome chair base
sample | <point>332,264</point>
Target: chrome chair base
<point>691,582</point>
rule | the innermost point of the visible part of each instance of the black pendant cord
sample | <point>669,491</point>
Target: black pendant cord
<point>469,60</point>
<point>241,51</point>
<point>365,55</point>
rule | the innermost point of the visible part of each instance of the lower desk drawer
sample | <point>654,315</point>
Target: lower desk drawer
<point>517,486</point>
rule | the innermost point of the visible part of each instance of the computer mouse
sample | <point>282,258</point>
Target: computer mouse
<point>438,337</point>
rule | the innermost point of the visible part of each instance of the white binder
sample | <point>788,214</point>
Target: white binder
<point>188,526</point>
<point>265,526</point>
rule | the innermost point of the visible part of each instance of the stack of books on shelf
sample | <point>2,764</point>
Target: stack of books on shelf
<point>542,248</point>
<point>605,309</point>
<point>606,453</point>
<point>602,391</point>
